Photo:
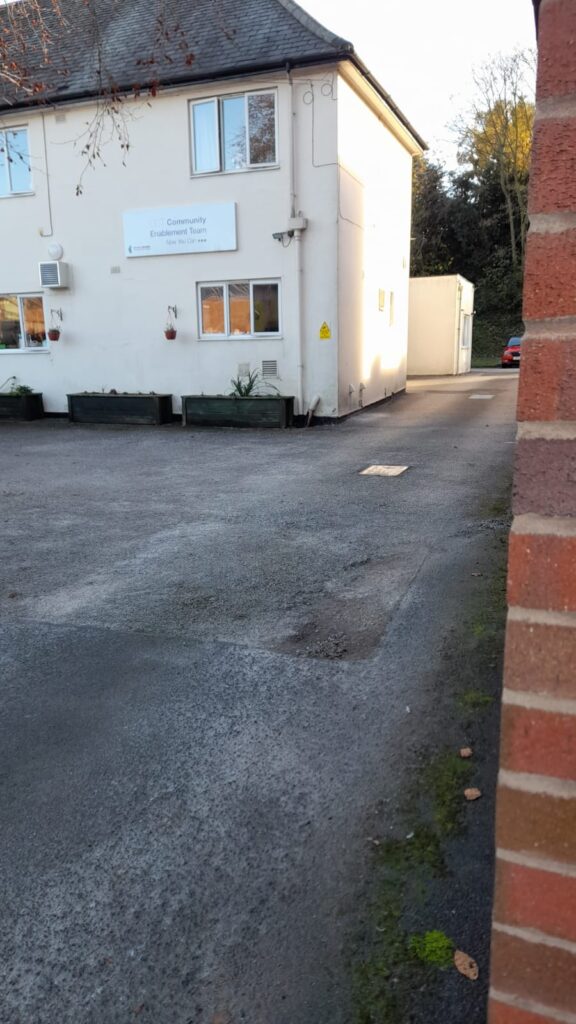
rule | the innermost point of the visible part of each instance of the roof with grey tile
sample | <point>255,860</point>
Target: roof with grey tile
<point>142,43</point>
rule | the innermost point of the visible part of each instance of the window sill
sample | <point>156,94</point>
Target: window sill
<point>18,195</point>
<point>24,351</point>
<point>240,337</point>
<point>241,170</point>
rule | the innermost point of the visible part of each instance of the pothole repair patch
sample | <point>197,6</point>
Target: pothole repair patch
<point>383,470</point>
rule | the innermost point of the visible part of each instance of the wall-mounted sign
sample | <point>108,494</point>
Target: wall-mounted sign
<point>169,230</point>
<point>325,332</point>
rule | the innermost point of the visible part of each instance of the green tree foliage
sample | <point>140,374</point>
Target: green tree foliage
<point>497,138</point>
<point>474,221</point>
<point>430,220</point>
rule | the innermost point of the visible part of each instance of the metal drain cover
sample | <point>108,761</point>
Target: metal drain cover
<point>383,470</point>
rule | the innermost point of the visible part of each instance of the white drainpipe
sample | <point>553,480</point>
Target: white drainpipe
<point>298,255</point>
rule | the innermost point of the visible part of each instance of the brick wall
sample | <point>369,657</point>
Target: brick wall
<point>533,976</point>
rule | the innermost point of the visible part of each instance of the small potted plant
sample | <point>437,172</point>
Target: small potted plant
<point>169,331</point>
<point>55,330</point>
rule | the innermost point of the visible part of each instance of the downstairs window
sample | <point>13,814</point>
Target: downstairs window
<point>22,323</point>
<point>238,309</point>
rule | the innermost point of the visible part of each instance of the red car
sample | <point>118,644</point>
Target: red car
<point>511,354</point>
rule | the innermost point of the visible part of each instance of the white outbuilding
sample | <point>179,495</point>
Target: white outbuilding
<point>440,322</point>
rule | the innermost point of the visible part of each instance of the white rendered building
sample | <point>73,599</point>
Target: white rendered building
<point>263,208</point>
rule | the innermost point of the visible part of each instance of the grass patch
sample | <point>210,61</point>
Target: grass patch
<point>377,997</point>
<point>501,508</point>
<point>475,700</point>
<point>487,626</point>
<point>433,948</point>
<point>448,776</point>
<point>396,964</point>
<point>420,849</point>
<point>398,976</point>
<point>485,362</point>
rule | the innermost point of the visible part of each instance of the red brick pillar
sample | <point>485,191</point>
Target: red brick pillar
<point>533,976</point>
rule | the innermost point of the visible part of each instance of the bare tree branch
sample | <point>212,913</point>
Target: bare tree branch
<point>496,134</point>
<point>38,56</point>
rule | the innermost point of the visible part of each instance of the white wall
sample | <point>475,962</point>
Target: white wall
<point>375,188</point>
<point>112,331</point>
<point>316,185</point>
<point>436,344</point>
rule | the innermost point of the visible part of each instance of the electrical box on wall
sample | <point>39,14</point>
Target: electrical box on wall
<point>53,274</point>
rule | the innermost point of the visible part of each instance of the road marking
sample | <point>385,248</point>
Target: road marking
<point>383,470</point>
<point>479,397</point>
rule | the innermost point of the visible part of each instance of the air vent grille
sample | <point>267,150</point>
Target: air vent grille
<point>53,274</point>
<point>243,369</point>
<point>269,368</point>
<point>49,274</point>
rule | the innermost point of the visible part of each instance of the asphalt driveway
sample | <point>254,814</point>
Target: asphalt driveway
<point>216,648</point>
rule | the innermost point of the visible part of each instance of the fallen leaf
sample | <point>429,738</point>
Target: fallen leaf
<point>466,965</point>
<point>466,752</point>
<point>472,794</point>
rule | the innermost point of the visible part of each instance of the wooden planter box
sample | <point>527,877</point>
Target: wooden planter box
<point>21,407</point>
<point>101,408</point>
<point>228,411</point>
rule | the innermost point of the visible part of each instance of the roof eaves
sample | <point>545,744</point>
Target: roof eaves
<point>315,27</point>
<point>345,50</point>
<point>59,98</point>
<point>361,67</point>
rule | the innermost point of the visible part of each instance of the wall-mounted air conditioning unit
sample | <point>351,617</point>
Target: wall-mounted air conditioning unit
<point>53,274</point>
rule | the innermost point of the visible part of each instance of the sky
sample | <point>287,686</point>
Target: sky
<point>423,51</point>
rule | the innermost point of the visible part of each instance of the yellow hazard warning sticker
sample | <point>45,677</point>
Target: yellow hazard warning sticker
<point>325,331</point>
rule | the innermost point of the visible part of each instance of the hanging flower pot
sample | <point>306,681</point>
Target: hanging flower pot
<point>53,333</point>
<point>170,332</point>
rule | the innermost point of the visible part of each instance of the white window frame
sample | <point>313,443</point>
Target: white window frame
<point>466,339</point>
<point>4,145</point>
<point>217,100</point>
<point>253,336</point>
<point>23,348</point>
<point>197,103</point>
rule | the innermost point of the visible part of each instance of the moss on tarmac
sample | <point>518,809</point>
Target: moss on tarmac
<point>400,973</point>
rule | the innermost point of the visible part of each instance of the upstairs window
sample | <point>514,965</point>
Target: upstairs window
<point>15,175</point>
<point>22,324</point>
<point>233,133</point>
